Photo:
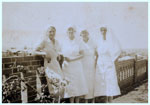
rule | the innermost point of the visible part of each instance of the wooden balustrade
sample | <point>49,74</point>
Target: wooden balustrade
<point>125,73</point>
<point>130,72</point>
<point>140,70</point>
<point>24,95</point>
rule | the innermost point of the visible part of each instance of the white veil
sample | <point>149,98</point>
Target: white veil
<point>113,43</point>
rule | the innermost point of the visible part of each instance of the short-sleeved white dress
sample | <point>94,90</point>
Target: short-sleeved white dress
<point>74,71</point>
<point>88,62</point>
<point>106,77</point>
<point>50,61</point>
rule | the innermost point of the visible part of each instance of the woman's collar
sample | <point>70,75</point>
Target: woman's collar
<point>51,40</point>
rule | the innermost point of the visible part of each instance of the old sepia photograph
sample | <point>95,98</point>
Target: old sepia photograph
<point>74,52</point>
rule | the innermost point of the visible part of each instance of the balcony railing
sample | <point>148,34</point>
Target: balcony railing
<point>129,72</point>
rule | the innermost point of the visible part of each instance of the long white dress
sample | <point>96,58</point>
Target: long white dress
<point>106,77</point>
<point>88,62</point>
<point>74,71</point>
<point>50,61</point>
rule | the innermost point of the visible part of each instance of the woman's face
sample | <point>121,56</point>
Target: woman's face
<point>71,34</point>
<point>51,33</point>
<point>85,37</point>
<point>103,31</point>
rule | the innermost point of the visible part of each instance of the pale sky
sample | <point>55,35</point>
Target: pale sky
<point>24,24</point>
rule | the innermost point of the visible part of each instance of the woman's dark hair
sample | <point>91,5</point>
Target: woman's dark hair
<point>103,29</point>
<point>52,27</point>
<point>84,32</point>
<point>71,29</point>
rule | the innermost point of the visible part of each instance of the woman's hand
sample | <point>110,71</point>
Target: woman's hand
<point>48,59</point>
<point>81,52</point>
<point>116,60</point>
<point>80,57</point>
<point>65,64</point>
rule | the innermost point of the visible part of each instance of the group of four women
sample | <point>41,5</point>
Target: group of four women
<point>89,67</point>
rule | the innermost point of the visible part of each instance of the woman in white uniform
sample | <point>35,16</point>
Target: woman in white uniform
<point>106,78</point>
<point>73,71</point>
<point>52,49</point>
<point>88,62</point>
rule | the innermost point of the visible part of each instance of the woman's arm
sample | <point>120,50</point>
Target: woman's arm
<point>80,56</point>
<point>39,53</point>
<point>116,60</point>
<point>69,59</point>
<point>116,56</point>
<point>39,48</point>
<point>77,58</point>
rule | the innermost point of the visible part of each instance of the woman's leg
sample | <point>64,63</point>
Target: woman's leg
<point>93,100</point>
<point>77,100</point>
<point>72,100</point>
<point>106,99</point>
<point>86,100</point>
<point>110,98</point>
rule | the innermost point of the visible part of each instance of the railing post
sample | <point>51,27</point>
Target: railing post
<point>4,78</point>
<point>24,96</point>
<point>135,72</point>
<point>146,69</point>
<point>135,69</point>
<point>38,84</point>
